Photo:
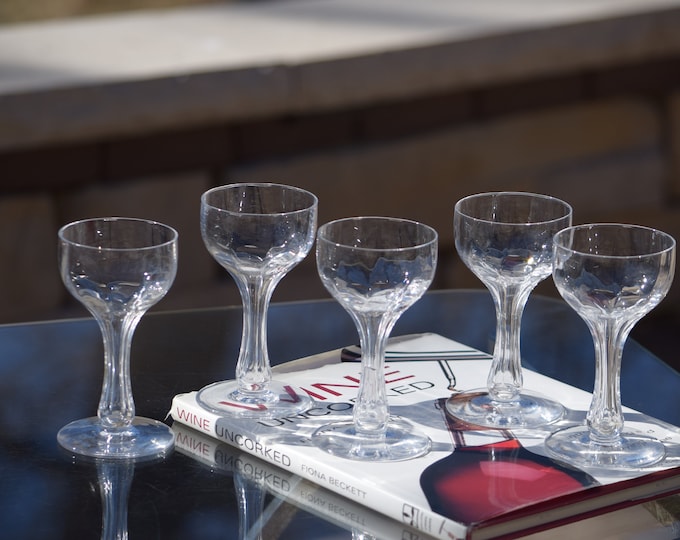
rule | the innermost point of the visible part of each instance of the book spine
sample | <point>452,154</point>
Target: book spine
<point>186,411</point>
<point>306,495</point>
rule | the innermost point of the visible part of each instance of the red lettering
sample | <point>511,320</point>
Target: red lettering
<point>328,388</point>
<point>294,398</point>
<point>194,419</point>
<point>390,381</point>
<point>317,389</point>
<point>258,407</point>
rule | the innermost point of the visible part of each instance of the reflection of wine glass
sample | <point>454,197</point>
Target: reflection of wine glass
<point>611,275</point>
<point>506,240</point>
<point>376,268</point>
<point>115,480</point>
<point>117,268</point>
<point>250,494</point>
<point>257,232</point>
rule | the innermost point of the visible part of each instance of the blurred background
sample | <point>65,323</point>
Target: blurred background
<point>17,11</point>
<point>389,107</point>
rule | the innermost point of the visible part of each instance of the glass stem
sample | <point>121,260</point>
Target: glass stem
<point>115,480</point>
<point>371,412</point>
<point>253,370</point>
<point>116,405</point>
<point>251,503</point>
<point>505,376</point>
<point>605,416</point>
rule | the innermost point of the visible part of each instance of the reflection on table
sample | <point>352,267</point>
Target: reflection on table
<point>51,373</point>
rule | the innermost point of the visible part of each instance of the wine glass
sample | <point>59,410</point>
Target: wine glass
<point>505,238</point>
<point>612,275</point>
<point>117,268</point>
<point>257,232</point>
<point>376,268</point>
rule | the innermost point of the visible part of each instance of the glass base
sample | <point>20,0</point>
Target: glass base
<point>279,400</point>
<point>143,439</point>
<point>530,411</point>
<point>632,451</point>
<point>400,442</point>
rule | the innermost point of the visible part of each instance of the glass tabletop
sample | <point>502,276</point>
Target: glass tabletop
<point>51,374</point>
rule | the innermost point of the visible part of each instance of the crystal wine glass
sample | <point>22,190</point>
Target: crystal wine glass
<point>257,232</point>
<point>612,275</point>
<point>376,268</point>
<point>505,238</point>
<point>117,268</point>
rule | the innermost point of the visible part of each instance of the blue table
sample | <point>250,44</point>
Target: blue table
<point>51,373</point>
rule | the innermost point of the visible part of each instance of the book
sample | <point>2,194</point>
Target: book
<point>657,518</point>
<point>475,483</point>
<point>259,478</point>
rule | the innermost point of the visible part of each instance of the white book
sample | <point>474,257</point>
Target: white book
<point>473,484</point>
<point>287,488</point>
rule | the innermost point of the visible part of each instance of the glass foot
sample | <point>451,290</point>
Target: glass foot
<point>400,442</point>
<point>529,411</point>
<point>632,451</point>
<point>278,400</point>
<point>144,438</point>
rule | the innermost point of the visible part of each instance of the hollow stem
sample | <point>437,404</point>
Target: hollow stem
<point>605,416</point>
<point>251,502</point>
<point>371,411</point>
<point>115,480</point>
<point>505,376</point>
<point>253,370</point>
<point>116,405</point>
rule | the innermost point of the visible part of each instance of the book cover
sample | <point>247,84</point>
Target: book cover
<point>475,483</point>
<point>255,478</point>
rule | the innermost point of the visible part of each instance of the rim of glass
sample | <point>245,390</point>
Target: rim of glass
<point>240,185</point>
<point>557,240</point>
<point>524,194</point>
<point>320,233</point>
<point>173,233</point>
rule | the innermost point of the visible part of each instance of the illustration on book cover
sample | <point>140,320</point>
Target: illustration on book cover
<point>472,476</point>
